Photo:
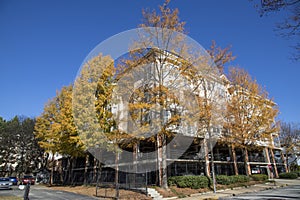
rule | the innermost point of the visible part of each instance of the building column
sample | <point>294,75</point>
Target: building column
<point>274,163</point>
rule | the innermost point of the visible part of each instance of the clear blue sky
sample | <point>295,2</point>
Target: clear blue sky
<point>43,43</point>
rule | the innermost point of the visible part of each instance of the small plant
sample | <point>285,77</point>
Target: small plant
<point>289,175</point>
<point>227,180</point>
<point>297,172</point>
<point>259,177</point>
<point>181,196</point>
<point>194,182</point>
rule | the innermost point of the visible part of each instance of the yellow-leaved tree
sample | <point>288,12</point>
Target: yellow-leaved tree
<point>250,114</point>
<point>171,65</point>
<point>56,131</point>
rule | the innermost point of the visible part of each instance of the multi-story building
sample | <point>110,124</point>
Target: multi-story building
<point>173,115</point>
<point>190,153</point>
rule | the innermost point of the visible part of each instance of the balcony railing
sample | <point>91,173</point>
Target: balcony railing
<point>256,159</point>
<point>222,157</point>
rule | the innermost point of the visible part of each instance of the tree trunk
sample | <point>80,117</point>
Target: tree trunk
<point>52,171</point>
<point>162,161</point>
<point>66,172</point>
<point>159,158</point>
<point>274,163</point>
<point>45,161</point>
<point>246,162</point>
<point>61,172</point>
<point>212,162</point>
<point>287,162</point>
<point>266,154</point>
<point>117,175</point>
<point>74,160</point>
<point>95,171</point>
<point>69,169</point>
<point>98,167</point>
<point>206,157</point>
<point>233,155</point>
<point>284,161</point>
<point>85,181</point>
<point>135,162</point>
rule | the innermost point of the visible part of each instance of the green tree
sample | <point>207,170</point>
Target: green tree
<point>8,144</point>
<point>20,152</point>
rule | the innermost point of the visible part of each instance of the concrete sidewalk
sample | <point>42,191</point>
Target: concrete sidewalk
<point>241,190</point>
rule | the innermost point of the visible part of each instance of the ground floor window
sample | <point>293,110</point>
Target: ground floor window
<point>186,168</point>
<point>224,169</point>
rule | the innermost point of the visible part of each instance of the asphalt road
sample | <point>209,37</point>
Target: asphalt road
<point>288,192</point>
<point>37,192</point>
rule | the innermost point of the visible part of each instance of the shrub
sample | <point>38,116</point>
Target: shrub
<point>297,172</point>
<point>259,177</point>
<point>172,180</point>
<point>223,180</point>
<point>240,178</point>
<point>194,182</point>
<point>289,175</point>
<point>226,180</point>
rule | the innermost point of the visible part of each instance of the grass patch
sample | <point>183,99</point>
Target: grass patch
<point>181,192</point>
<point>10,198</point>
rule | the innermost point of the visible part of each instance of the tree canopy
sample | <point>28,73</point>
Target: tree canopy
<point>19,150</point>
<point>250,115</point>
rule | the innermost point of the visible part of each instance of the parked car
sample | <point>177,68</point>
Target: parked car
<point>255,171</point>
<point>28,179</point>
<point>14,180</point>
<point>5,183</point>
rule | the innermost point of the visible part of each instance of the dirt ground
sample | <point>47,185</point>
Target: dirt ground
<point>180,192</point>
<point>131,195</point>
<point>102,192</point>
<point>184,192</point>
